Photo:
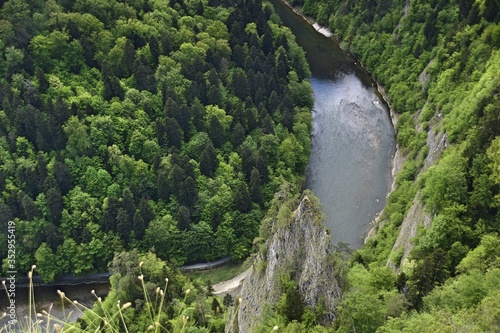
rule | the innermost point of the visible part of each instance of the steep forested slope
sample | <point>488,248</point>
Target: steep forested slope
<point>439,62</point>
<point>144,124</point>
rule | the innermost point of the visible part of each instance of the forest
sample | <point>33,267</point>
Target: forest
<point>160,131</point>
<point>148,125</point>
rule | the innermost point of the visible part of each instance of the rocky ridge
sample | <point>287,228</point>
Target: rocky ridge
<point>301,248</point>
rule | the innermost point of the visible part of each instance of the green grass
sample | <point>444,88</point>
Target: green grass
<point>220,274</point>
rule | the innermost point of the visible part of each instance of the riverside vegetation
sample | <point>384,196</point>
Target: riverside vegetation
<point>145,295</point>
<point>439,63</point>
<point>140,135</point>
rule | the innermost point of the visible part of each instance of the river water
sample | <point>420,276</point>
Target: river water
<point>353,140</point>
<point>47,299</point>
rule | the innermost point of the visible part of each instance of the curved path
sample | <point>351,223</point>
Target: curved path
<point>206,265</point>
<point>71,280</point>
<point>230,286</point>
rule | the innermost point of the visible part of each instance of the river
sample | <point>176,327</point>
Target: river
<point>353,144</point>
<point>353,139</point>
<point>47,299</point>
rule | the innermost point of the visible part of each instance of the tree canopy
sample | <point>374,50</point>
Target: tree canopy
<point>141,125</point>
<point>438,63</point>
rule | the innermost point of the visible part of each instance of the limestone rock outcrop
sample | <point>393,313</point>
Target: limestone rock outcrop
<point>301,248</point>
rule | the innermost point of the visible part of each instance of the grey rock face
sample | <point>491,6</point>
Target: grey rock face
<point>300,248</point>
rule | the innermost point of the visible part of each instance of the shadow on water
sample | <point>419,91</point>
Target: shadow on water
<point>353,140</point>
<point>326,59</point>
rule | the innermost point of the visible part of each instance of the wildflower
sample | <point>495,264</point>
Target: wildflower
<point>61,294</point>
<point>126,305</point>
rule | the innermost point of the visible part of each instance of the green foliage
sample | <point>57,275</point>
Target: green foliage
<point>146,294</point>
<point>46,263</point>
<point>465,291</point>
<point>291,305</point>
<point>438,64</point>
<point>144,125</point>
<point>465,303</point>
<point>445,185</point>
<point>363,311</point>
<point>493,153</point>
<point>446,229</point>
<point>483,257</point>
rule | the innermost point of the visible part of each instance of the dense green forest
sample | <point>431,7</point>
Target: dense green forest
<point>166,127</point>
<point>439,62</point>
<point>144,124</point>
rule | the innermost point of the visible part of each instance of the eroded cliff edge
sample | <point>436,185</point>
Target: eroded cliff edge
<point>298,245</point>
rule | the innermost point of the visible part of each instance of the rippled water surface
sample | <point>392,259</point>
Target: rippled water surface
<point>352,148</point>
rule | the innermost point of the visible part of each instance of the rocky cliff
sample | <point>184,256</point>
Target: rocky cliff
<point>301,247</point>
<point>417,215</point>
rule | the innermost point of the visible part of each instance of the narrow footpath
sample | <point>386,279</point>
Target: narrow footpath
<point>232,286</point>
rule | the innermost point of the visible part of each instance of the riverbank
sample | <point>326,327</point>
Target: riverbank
<point>325,31</point>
